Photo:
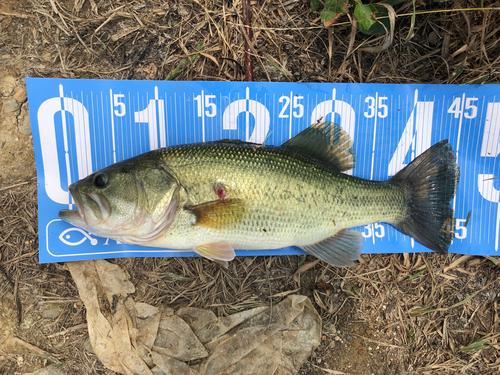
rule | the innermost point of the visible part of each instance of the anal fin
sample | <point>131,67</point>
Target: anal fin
<point>220,252</point>
<point>340,250</point>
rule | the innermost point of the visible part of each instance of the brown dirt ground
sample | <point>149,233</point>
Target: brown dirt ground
<point>389,314</point>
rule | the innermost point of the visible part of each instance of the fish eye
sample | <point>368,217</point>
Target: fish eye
<point>100,180</point>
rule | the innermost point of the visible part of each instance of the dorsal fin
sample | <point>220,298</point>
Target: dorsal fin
<point>326,141</point>
<point>236,142</point>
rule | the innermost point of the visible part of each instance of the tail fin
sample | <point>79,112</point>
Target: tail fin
<point>431,181</point>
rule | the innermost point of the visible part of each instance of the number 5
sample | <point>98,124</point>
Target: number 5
<point>381,230</point>
<point>462,230</point>
<point>212,108</point>
<point>120,112</point>
<point>469,106</point>
<point>383,107</point>
<point>299,106</point>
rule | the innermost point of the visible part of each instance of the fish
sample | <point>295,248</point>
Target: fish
<point>215,197</point>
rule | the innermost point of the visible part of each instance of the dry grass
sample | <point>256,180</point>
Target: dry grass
<point>137,40</point>
<point>390,314</point>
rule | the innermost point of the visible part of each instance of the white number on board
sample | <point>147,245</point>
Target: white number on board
<point>461,229</point>
<point>376,105</point>
<point>464,106</point>
<point>120,111</point>
<point>206,102</point>
<point>416,136</point>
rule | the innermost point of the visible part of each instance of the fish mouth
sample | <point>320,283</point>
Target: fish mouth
<point>91,209</point>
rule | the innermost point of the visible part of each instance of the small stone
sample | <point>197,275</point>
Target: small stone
<point>20,94</point>
<point>24,122</point>
<point>51,313</point>
<point>10,106</point>
<point>7,83</point>
<point>433,37</point>
<point>25,126</point>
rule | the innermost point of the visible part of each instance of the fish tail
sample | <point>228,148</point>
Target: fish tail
<point>430,182</point>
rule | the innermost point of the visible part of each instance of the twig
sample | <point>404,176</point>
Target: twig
<point>38,351</point>
<point>460,260</point>
<point>247,21</point>
<point>304,268</point>
<point>379,342</point>
<point>15,185</point>
<point>18,15</point>
<point>70,329</point>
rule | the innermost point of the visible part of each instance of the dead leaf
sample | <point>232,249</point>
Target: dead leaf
<point>135,338</point>
<point>208,56</point>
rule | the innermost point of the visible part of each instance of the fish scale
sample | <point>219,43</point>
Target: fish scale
<point>290,198</point>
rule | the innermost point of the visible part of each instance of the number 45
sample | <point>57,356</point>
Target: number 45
<point>470,110</point>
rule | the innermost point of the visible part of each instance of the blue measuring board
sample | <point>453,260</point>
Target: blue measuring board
<point>81,126</point>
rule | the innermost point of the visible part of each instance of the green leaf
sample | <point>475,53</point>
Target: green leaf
<point>332,8</point>
<point>468,218</point>
<point>338,6</point>
<point>356,290</point>
<point>411,334</point>
<point>412,25</point>
<point>277,67</point>
<point>481,344</point>
<point>184,63</point>
<point>375,21</point>
<point>417,274</point>
<point>477,81</point>
<point>314,5</point>
<point>327,16</point>
<point>455,74</point>
<point>364,14</point>
<point>492,260</point>
<point>478,346</point>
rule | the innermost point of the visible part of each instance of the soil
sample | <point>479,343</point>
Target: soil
<point>389,314</point>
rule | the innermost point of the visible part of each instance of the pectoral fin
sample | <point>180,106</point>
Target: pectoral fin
<point>220,252</point>
<point>340,250</point>
<point>218,214</point>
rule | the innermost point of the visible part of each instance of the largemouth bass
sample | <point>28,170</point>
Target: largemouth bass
<point>220,196</point>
